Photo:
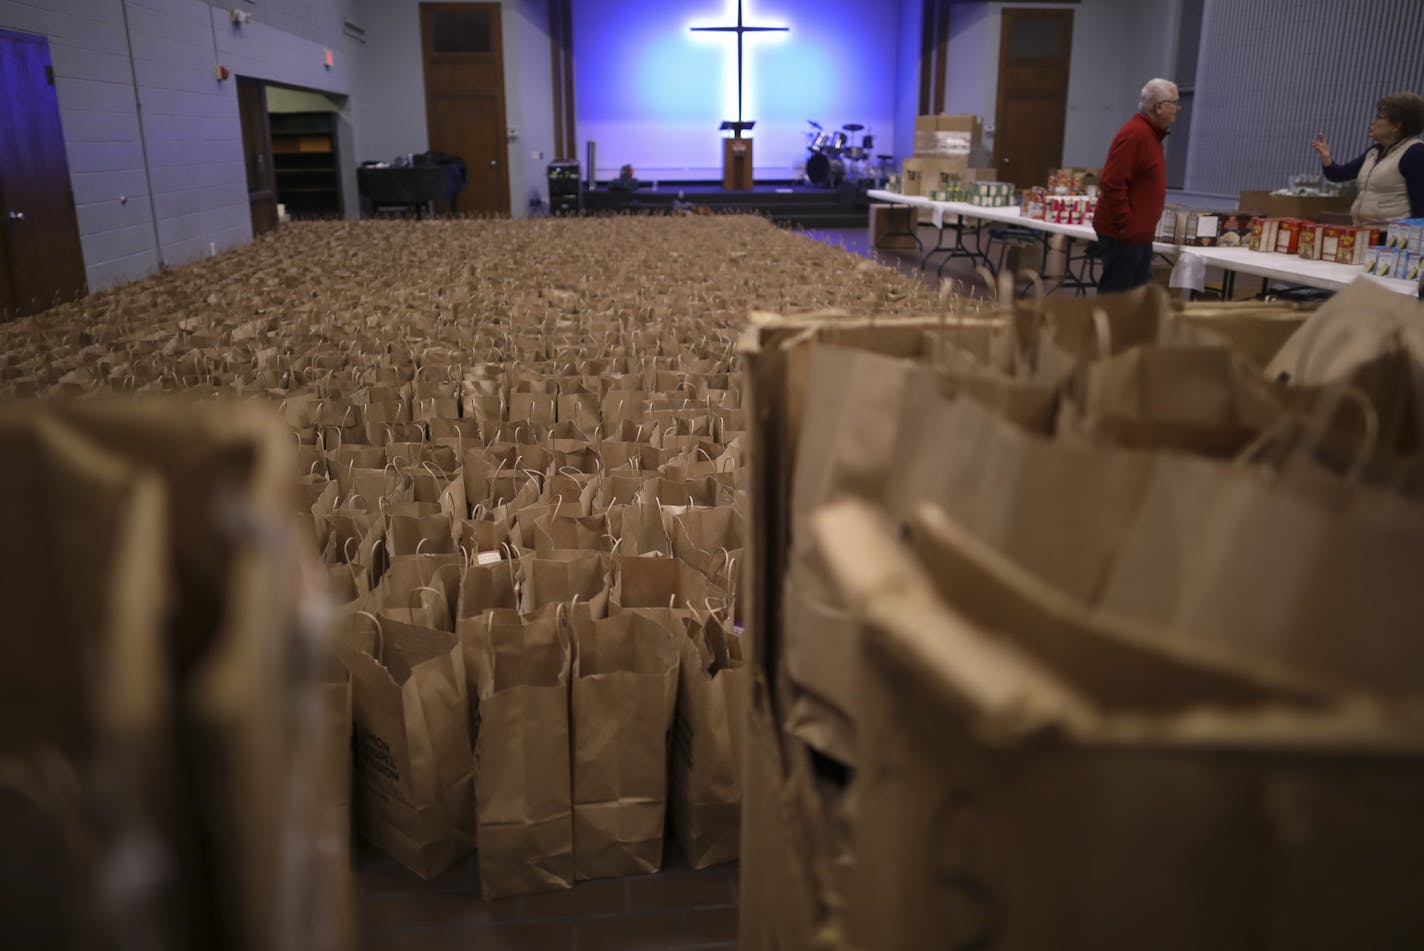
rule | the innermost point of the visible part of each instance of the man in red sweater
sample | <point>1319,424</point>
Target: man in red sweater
<point>1133,190</point>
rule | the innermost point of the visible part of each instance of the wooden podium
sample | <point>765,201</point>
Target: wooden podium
<point>737,164</point>
<point>737,156</point>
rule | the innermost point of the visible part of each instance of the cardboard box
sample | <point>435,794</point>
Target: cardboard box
<point>892,227</point>
<point>1311,239</point>
<point>921,175</point>
<point>1292,206</point>
<point>943,143</point>
<point>949,135</point>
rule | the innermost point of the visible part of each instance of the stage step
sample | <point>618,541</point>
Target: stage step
<point>785,204</point>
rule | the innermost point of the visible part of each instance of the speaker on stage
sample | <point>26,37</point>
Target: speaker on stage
<point>565,190</point>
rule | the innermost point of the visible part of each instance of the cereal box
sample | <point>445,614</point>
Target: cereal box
<point>1235,229</point>
<point>1203,228</point>
<point>1311,238</point>
<point>1371,260</point>
<point>1288,235</point>
<point>1171,225</point>
<point>1387,264</point>
<point>1412,266</point>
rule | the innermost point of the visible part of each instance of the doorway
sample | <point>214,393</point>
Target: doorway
<point>41,259</point>
<point>464,99</point>
<point>1035,52</point>
<point>257,152</point>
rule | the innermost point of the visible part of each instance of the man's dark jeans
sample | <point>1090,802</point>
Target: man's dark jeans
<point>1125,266</point>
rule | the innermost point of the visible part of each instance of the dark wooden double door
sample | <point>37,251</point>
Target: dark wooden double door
<point>41,260</point>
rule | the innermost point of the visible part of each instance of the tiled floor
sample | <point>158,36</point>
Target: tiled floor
<point>679,908</point>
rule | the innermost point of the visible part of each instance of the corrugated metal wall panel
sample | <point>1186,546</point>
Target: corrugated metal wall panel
<point>1272,73</point>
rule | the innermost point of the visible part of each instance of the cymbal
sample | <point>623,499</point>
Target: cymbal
<point>852,127</point>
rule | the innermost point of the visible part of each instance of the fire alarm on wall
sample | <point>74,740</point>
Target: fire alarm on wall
<point>330,59</point>
<point>220,72</point>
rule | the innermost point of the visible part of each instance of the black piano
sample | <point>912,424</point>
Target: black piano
<point>411,188</point>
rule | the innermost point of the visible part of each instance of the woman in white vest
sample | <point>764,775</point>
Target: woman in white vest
<point>1390,173</point>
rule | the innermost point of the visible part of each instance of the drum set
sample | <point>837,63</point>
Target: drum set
<point>833,156</point>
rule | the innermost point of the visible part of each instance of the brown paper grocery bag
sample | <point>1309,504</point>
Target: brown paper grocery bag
<point>561,577</point>
<point>1003,732</point>
<point>651,581</point>
<point>87,763</point>
<point>524,794</point>
<point>1058,508</point>
<point>706,757</point>
<point>707,537</point>
<point>233,629</point>
<point>1319,581</point>
<point>639,528</point>
<point>414,773</point>
<point>624,696</point>
<point>1202,399</point>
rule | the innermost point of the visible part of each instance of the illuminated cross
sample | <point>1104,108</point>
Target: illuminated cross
<point>739,29</point>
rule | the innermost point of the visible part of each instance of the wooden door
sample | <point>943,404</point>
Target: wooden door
<point>257,154</point>
<point>41,259</point>
<point>464,98</point>
<point>1034,55</point>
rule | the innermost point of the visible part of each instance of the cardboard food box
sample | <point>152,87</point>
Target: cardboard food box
<point>1387,263</point>
<point>1293,206</point>
<point>1171,227</point>
<point>1031,202</point>
<point>1202,229</point>
<point>943,143</point>
<point>892,227</point>
<point>1371,260</point>
<point>1311,239</point>
<point>1346,244</point>
<point>921,175</point>
<point>1285,235</point>
<point>1235,229</point>
<point>948,135</point>
<point>1405,234</point>
<point>1412,266</point>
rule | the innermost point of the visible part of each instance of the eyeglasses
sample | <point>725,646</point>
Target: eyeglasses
<point>1172,102</point>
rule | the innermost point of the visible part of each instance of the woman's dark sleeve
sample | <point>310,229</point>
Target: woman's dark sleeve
<point>1411,166</point>
<point>1347,172</point>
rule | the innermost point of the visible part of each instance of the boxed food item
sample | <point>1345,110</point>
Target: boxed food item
<point>1171,227</point>
<point>1406,234</point>
<point>1371,259</point>
<point>1311,238</point>
<point>1031,202</point>
<point>1412,269</point>
<point>1386,262</point>
<point>1287,235</point>
<point>1346,244</point>
<point>1235,229</point>
<point>1202,229</point>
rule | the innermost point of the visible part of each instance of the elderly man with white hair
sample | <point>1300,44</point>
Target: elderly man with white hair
<point>1133,190</point>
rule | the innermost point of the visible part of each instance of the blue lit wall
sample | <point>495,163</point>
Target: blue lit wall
<point>651,93</point>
